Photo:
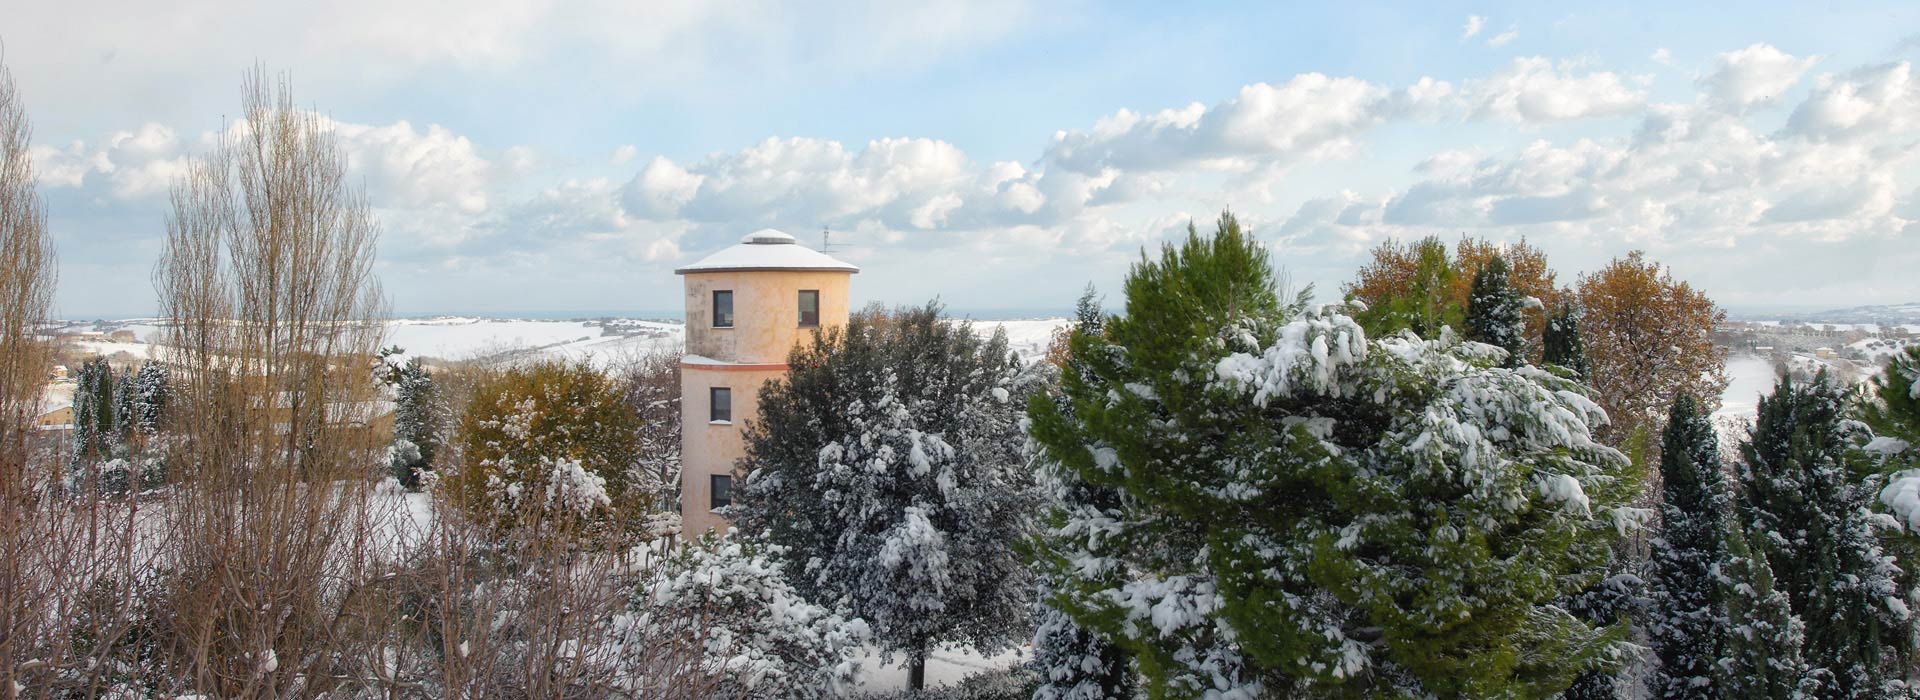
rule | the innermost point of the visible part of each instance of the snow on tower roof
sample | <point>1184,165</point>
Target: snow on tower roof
<point>767,249</point>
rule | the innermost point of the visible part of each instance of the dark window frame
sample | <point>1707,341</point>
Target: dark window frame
<point>715,407</point>
<point>716,308</point>
<point>802,303</point>
<point>714,488</point>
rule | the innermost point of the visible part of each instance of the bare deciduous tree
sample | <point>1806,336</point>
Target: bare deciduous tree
<point>26,292</point>
<point>274,320</point>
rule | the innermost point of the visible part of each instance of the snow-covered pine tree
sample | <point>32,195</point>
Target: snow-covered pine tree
<point>1072,661</point>
<point>125,420</point>
<point>1892,408</point>
<point>1802,493</point>
<point>1612,601</point>
<point>1307,513</point>
<point>152,391</point>
<point>1560,341</point>
<point>1760,653</point>
<point>1685,613</point>
<point>1493,311</point>
<point>418,422</point>
<point>889,464</point>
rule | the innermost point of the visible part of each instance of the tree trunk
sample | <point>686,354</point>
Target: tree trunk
<point>917,669</point>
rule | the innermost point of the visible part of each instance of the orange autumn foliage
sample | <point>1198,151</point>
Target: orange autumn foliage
<point>1394,272</point>
<point>1649,338</point>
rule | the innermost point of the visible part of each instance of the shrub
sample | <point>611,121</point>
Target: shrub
<point>550,441</point>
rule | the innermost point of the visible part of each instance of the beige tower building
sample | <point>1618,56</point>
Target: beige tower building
<point>747,306</point>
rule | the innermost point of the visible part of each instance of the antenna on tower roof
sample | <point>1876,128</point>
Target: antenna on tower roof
<point>826,241</point>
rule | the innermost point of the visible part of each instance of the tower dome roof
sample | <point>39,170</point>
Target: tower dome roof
<point>767,249</point>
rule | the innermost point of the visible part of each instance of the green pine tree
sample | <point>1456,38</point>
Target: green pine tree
<point>1760,635</point>
<point>1073,661</point>
<point>1305,513</point>
<point>890,464</point>
<point>1560,341</point>
<point>1685,609</point>
<point>1893,405</point>
<point>1493,311</point>
<point>1802,493</point>
<point>419,420</point>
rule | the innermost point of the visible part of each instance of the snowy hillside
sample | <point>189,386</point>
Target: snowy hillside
<point>605,342</point>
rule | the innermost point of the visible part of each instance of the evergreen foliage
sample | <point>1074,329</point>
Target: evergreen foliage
<point>1307,513</point>
<point>97,455</point>
<point>552,442</point>
<point>1685,610</point>
<point>1561,342</point>
<point>1494,311</point>
<point>1892,406</point>
<point>152,392</point>
<point>418,421</point>
<point>1760,657</point>
<point>1803,497</point>
<point>1420,298</point>
<point>758,639</point>
<point>1072,661</point>
<point>888,464</point>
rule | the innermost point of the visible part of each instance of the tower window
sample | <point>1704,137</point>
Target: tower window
<point>723,308</point>
<point>720,404</point>
<point>720,491</point>
<point>809,307</point>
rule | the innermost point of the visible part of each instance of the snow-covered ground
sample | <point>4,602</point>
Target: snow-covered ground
<point>461,338</point>
<point>603,342</point>
<point>1748,377</point>
<point>945,667</point>
<point>1028,338</point>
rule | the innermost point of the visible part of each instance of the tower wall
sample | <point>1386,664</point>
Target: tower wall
<point>766,326</point>
<point>766,321</point>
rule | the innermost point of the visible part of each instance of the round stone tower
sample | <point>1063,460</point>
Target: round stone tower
<point>747,305</point>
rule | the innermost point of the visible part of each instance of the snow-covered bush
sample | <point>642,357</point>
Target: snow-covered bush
<point>757,637</point>
<point>1310,512</point>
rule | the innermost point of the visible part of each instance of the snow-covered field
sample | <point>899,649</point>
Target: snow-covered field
<point>462,338</point>
<point>603,342</point>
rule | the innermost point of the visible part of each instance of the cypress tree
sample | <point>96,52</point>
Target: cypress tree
<point>96,436</point>
<point>1493,311</point>
<point>1560,341</point>
<point>1686,610</point>
<point>1802,494</point>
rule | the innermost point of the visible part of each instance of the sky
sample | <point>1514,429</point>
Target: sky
<point>530,157</point>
